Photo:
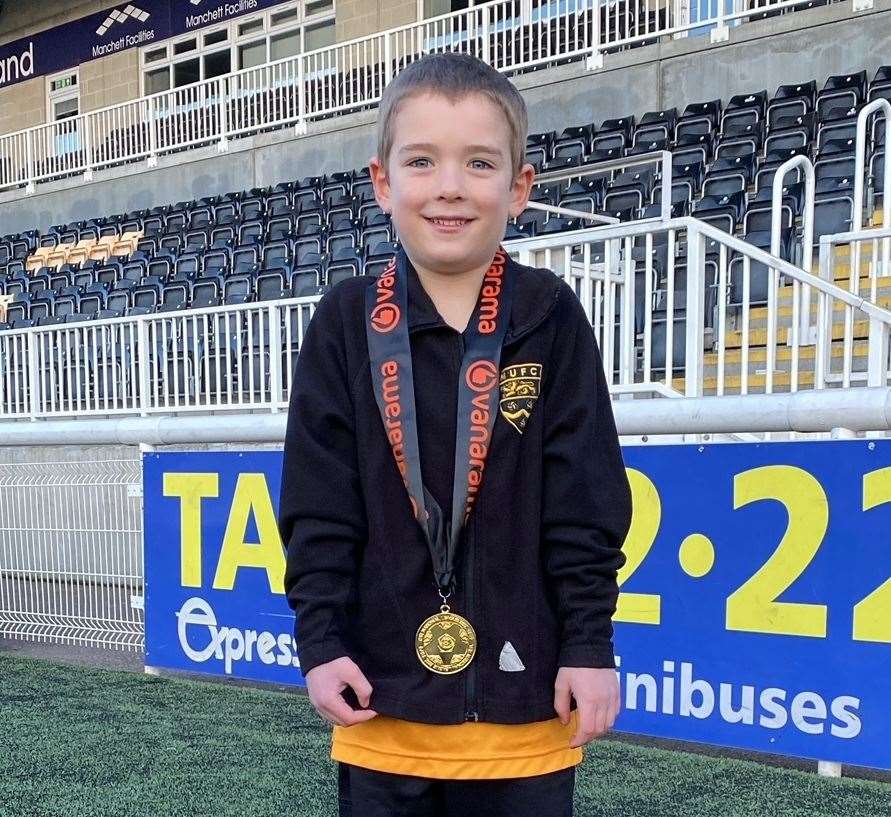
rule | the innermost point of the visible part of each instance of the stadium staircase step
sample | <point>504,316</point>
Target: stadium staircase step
<point>757,351</point>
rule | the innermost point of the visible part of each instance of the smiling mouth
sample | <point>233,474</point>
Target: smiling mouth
<point>449,222</point>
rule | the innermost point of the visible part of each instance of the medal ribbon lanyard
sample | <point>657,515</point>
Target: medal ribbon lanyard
<point>391,373</point>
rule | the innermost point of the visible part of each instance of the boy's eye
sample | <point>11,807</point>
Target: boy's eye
<point>482,162</point>
<point>413,162</point>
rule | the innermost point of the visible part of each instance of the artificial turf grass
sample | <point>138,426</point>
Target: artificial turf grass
<point>81,741</point>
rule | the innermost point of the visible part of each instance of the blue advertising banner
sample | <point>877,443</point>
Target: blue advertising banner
<point>128,25</point>
<point>214,566</point>
<point>755,609</point>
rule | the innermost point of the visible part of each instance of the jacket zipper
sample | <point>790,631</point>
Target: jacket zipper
<point>470,713</point>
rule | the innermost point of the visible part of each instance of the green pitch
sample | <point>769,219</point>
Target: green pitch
<point>93,742</point>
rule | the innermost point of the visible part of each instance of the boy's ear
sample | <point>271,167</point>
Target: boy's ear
<point>380,182</point>
<point>521,190</point>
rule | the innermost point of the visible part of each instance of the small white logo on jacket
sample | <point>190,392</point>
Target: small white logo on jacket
<point>509,661</point>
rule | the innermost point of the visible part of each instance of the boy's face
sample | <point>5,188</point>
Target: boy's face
<point>452,162</point>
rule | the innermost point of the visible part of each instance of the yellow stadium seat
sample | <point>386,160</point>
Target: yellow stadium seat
<point>81,251</point>
<point>126,244</point>
<point>37,259</point>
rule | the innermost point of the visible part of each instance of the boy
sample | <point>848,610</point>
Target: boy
<point>451,444</point>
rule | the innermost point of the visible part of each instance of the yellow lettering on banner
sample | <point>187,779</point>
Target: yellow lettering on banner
<point>191,489</point>
<point>872,615</point>
<point>251,496</point>
<point>646,516</point>
<point>754,607</point>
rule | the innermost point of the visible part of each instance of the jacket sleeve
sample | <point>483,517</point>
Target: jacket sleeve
<point>321,509</point>
<point>586,498</point>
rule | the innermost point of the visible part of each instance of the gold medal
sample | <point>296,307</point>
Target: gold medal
<point>445,642</point>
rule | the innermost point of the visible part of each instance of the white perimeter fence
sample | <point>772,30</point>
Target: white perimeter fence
<point>71,569</point>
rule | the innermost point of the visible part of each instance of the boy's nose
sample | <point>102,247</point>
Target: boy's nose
<point>451,183</point>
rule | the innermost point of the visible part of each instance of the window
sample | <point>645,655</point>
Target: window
<point>247,42</point>
<point>65,109</point>
<point>319,6</point>
<point>250,55</point>
<point>63,104</point>
<point>157,81</point>
<point>433,8</point>
<point>319,36</point>
<point>250,27</point>
<point>186,72</point>
<point>284,45</point>
<point>63,96</point>
<point>216,37</point>
<point>217,64</point>
<point>280,17</point>
<point>155,54</point>
<point>185,46</point>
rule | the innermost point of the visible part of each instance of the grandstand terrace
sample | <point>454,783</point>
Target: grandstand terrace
<point>295,239</point>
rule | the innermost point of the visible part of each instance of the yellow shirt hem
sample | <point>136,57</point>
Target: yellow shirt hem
<point>470,751</point>
<point>463,769</point>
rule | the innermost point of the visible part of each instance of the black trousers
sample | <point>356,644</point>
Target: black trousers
<point>368,793</point>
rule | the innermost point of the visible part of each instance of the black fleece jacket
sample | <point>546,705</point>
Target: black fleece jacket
<point>537,560</point>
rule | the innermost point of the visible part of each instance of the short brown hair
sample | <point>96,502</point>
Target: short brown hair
<point>454,76</point>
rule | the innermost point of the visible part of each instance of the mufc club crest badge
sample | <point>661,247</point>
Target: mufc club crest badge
<point>520,386</point>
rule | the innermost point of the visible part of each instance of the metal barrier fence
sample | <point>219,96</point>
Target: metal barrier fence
<point>511,35</point>
<point>71,569</point>
<point>227,357</point>
<point>678,309</point>
<point>861,260</point>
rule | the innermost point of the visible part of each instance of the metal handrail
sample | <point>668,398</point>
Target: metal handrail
<point>801,296</point>
<point>664,158</point>
<point>860,161</point>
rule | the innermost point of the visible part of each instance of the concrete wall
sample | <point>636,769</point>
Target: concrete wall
<point>356,18</point>
<point>23,105</point>
<point>109,80</point>
<point>805,45</point>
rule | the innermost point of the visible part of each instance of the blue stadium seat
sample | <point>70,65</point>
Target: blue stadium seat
<point>743,109</point>
<point>174,296</point>
<point>842,90</point>
<point>655,125</point>
<point>206,291</point>
<point>796,99</point>
<point>273,283</point>
<point>238,289</point>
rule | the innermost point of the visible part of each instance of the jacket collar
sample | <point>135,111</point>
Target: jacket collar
<point>534,298</point>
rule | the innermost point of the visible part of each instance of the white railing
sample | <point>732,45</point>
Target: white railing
<point>861,257</point>
<point>511,35</point>
<point>71,562</point>
<point>221,358</point>
<point>679,308</point>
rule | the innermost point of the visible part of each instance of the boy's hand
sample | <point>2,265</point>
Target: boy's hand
<point>596,692</point>
<point>325,683</point>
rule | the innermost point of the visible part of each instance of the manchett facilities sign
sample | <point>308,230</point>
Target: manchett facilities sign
<point>128,25</point>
